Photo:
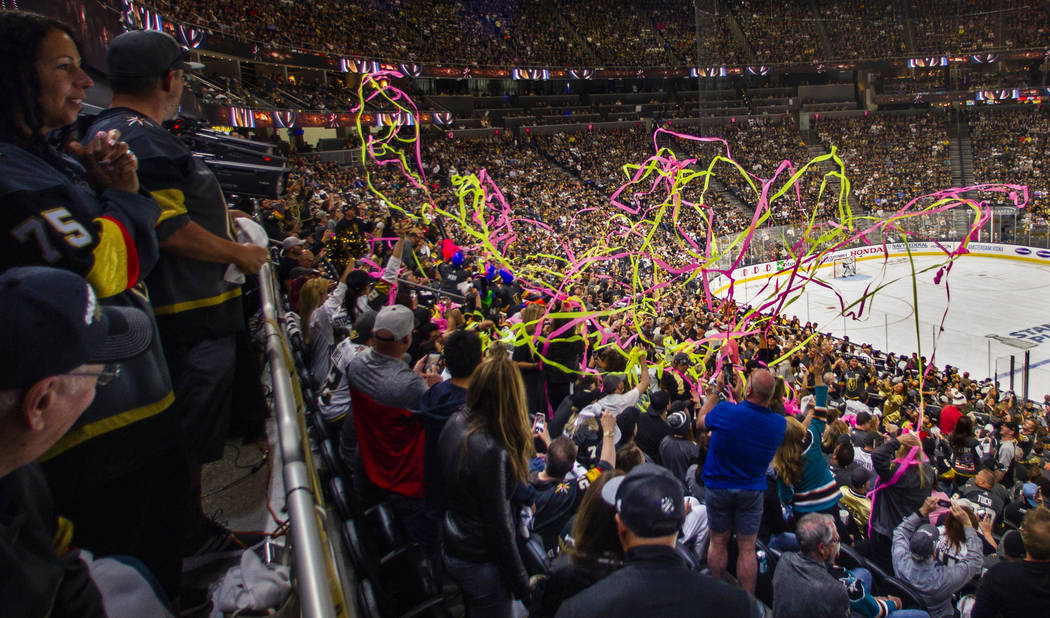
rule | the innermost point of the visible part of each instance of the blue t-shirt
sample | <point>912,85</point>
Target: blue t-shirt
<point>744,438</point>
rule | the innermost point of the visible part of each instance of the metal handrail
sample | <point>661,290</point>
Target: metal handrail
<point>309,561</point>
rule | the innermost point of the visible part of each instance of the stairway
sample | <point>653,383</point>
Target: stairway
<point>248,76</point>
<point>960,151</point>
<point>825,41</point>
<point>731,197</point>
<point>716,185</point>
<point>909,25</point>
<point>738,33</point>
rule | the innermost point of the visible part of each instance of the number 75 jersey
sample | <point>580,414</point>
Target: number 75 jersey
<point>49,217</point>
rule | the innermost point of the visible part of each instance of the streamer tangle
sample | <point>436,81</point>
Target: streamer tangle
<point>657,235</point>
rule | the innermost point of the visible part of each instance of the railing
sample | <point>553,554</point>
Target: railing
<point>1010,232</point>
<point>310,563</point>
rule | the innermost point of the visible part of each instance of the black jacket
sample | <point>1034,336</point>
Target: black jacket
<point>655,581</point>
<point>652,428</point>
<point>569,576</point>
<point>479,524</point>
<point>895,502</point>
<point>34,579</point>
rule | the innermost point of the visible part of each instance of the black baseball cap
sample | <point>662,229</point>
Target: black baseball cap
<point>659,401</point>
<point>146,53</point>
<point>924,541</point>
<point>650,500</point>
<point>1012,545</point>
<point>51,323</point>
<point>610,382</point>
<point>859,476</point>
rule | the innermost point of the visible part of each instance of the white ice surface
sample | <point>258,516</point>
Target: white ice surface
<point>988,296</point>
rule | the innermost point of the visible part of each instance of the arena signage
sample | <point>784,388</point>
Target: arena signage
<point>1036,334</point>
<point>767,270</point>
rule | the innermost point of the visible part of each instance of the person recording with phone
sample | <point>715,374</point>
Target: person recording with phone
<point>914,544</point>
<point>744,438</point>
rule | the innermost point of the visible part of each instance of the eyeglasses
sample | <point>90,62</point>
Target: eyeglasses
<point>109,372</point>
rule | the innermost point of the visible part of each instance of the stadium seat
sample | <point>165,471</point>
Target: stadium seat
<point>688,556</point>
<point>401,582</point>
<point>355,549</point>
<point>764,583</point>
<point>340,496</point>
<point>850,559</point>
<point>332,461</point>
<point>366,600</point>
<point>384,527</point>
<point>898,588</point>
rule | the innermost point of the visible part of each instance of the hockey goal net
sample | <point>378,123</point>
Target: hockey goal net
<point>845,267</point>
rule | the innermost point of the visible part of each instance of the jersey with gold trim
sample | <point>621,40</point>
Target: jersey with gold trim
<point>191,298</point>
<point>53,218</point>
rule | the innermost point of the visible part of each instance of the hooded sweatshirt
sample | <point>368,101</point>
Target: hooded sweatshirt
<point>935,582</point>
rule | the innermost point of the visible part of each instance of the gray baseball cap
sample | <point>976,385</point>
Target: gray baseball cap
<point>146,53</point>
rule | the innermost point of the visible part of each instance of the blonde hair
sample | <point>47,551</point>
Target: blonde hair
<point>925,479</point>
<point>832,431</point>
<point>788,460</point>
<point>311,296</point>
<point>1035,532</point>
<point>530,314</point>
<point>496,401</point>
<point>455,320</point>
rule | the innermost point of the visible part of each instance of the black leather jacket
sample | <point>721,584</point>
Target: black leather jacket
<point>479,524</point>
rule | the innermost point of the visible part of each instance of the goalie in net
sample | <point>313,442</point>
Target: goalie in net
<point>845,267</point>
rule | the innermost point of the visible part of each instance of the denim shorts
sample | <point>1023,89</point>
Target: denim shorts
<point>734,510</point>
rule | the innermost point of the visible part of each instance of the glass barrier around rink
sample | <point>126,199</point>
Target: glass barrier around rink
<point>1006,225</point>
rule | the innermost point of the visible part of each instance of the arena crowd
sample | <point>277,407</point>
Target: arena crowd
<point>579,440</point>
<point>624,32</point>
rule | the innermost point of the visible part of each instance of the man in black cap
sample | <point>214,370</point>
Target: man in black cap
<point>198,310</point>
<point>60,344</point>
<point>655,580</point>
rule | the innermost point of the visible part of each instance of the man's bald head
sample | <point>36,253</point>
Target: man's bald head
<point>760,387</point>
<point>985,479</point>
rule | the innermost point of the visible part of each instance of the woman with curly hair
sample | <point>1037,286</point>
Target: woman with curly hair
<point>804,480</point>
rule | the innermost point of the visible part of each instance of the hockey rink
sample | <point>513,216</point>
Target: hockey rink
<point>989,296</point>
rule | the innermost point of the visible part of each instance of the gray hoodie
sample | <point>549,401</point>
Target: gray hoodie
<point>935,582</point>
